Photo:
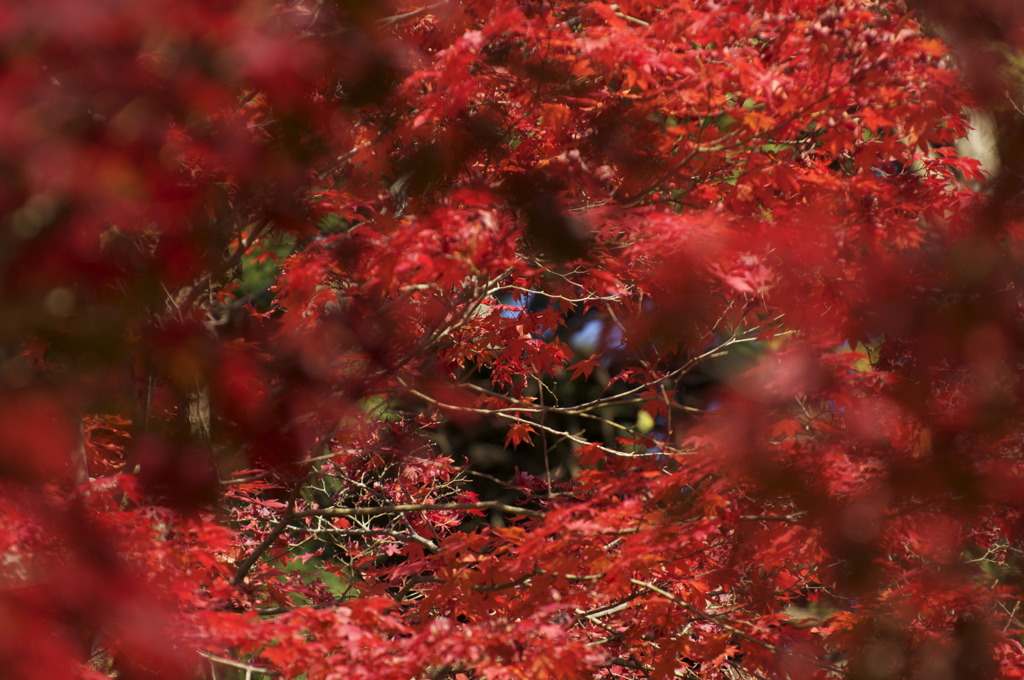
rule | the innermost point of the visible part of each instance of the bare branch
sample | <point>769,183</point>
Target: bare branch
<point>416,507</point>
<point>398,18</point>
<point>248,668</point>
<point>282,524</point>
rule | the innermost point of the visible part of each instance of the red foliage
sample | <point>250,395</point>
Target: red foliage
<point>510,340</point>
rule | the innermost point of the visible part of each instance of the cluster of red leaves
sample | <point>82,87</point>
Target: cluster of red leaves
<point>536,217</point>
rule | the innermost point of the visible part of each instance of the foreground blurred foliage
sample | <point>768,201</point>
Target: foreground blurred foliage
<point>466,340</point>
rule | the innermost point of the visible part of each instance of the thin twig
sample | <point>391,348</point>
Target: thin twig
<point>398,18</point>
<point>700,613</point>
<point>416,507</point>
<point>248,668</point>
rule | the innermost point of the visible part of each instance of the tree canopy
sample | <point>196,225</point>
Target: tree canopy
<point>493,340</point>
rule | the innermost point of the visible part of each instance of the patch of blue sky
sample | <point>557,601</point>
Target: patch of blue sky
<point>596,335</point>
<point>515,305</point>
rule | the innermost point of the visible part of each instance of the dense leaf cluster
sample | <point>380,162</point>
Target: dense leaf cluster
<point>484,340</point>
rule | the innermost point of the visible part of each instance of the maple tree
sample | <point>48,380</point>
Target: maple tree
<point>509,340</point>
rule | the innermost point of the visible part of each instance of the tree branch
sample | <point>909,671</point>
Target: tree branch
<point>398,18</point>
<point>249,669</point>
<point>286,518</point>
<point>416,507</point>
<point>701,614</point>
